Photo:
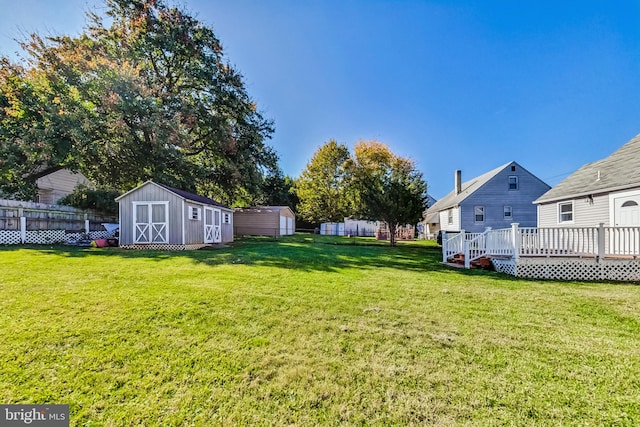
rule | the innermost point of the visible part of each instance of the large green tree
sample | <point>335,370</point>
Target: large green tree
<point>386,187</point>
<point>144,94</point>
<point>322,186</point>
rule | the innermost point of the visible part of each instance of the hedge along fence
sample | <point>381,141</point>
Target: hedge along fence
<point>35,223</point>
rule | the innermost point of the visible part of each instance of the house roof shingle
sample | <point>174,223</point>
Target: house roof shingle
<point>618,171</point>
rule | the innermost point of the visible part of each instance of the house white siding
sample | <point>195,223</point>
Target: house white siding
<point>56,185</point>
<point>587,212</point>
<point>444,220</point>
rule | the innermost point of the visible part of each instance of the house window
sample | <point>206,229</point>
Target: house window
<point>508,212</point>
<point>565,212</point>
<point>226,218</point>
<point>450,216</point>
<point>513,182</point>
<point>478,213</point>
<point>194,213</point>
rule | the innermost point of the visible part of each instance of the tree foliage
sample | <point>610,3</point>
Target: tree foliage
<point>144,94</point>
<point>322,186</point>
<point>84,197</point>
<point>373,184</point>
<point>386,187</point>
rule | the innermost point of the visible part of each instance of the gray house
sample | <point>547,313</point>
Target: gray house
<point>606,191</point>
<point>156,216</point>
<point>496,199</point>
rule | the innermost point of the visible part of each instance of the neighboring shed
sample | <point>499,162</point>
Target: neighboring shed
<point>273,221</point>
<point>156,216</point>
<point>55,183</point>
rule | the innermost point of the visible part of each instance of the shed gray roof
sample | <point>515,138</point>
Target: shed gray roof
<point>468,187</point>
<point>619,171</point>
<point>193,197</point>
<point>180,193</point>
<point>264,209</point>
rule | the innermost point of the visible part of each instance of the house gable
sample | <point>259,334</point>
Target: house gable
<point>488,197</point>
<point>54,184</point>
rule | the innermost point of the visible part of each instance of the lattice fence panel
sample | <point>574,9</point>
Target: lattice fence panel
<point>507,266</point>
<point>588,270</point>
<point>163,247</point>
<point>44,237</point>
<point>621,270</point>
<point>9,237</point>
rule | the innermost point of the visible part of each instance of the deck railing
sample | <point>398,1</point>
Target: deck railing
<point>515,242</point>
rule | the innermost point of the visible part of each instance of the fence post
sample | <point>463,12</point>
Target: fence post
<point>23,229</point>
<point>515,240</point>
<point>443,236</point>
<point>467,255</point>
<point>600,241</point>
<point>87,229</point>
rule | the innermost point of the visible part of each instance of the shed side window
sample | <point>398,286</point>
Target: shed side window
<point>195,213</point>
<point>226,218</point>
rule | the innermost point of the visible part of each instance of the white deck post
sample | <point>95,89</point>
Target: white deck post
<point>467,255</point>
<point>601,248</point>
<point>515,240</point>
<point>444,246</point>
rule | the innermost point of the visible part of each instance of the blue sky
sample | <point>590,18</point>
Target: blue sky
<point>464,85</point>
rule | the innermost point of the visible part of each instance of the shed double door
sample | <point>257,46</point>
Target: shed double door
<point>212,225</point>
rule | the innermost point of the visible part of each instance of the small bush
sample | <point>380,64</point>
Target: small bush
<point>85,198</point>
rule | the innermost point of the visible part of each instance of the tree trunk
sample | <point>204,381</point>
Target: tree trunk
<point>392,234</point>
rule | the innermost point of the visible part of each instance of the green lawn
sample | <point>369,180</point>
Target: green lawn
<point>308,331</point>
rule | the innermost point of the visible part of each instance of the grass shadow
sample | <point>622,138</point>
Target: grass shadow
<point>302,252</point>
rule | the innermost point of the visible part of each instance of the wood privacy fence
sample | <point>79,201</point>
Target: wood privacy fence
<point>35,223</point>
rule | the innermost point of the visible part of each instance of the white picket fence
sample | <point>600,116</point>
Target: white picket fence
<point>516,242</point>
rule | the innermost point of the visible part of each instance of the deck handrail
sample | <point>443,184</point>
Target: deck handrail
<point>518,241</point>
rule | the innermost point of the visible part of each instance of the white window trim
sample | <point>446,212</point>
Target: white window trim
<point>504,211</point>
<point>573,212</point>
<point>450,216</point>
<point>198,212</point>
<point>226,218</point>
<point>517,183</point>
<point>484,215</point>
